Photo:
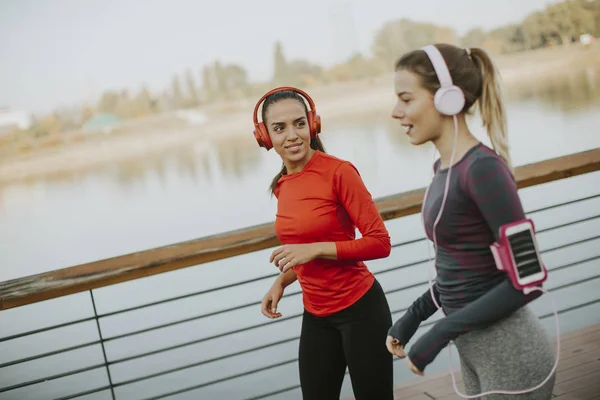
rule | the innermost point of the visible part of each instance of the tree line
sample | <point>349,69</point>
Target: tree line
<point>558,24</point>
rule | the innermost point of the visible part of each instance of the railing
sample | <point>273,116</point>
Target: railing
<point>193,334</point>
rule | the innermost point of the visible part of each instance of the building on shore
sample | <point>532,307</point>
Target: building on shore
<point>12,120</point>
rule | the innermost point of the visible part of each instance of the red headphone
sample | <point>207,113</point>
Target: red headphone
<point>260,130</point>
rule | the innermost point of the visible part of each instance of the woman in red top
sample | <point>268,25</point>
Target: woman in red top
<point>321,200</point>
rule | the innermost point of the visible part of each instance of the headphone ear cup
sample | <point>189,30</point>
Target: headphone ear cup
<point>262,136</point>
<point>449,100</point>
<point>314,124</point>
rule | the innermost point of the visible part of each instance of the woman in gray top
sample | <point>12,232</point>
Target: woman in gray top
<point>501,343</point>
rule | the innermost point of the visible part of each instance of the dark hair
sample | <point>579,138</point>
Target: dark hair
<point>473,72</point>
<point>315,143</point>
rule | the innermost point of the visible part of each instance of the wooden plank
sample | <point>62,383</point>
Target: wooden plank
<point>419,396</point>
<point>446,390</point>
<point>429,387</point>
<point>578,371</point>
<point>573,362</point>
<point>580,332</point>
<point>452,396</point>
<point>583,381</point>
<point>586,336</point>
<point>127,267</point>
<point>591,392</point>
<point>571,344</point>
<point>583,348</point>
<point>432,379</point>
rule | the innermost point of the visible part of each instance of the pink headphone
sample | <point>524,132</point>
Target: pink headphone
<point>449,99</point>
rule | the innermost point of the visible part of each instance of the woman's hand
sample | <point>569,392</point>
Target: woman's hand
<point>413,368</point>
<point>271,299</point>
<point>395,347</point>
<point>290,255</point>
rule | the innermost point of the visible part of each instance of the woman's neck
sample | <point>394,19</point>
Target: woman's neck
<point>296,167</point>
<point>445,142</point>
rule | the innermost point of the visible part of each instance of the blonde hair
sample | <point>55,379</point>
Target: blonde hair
<point>474,72</point>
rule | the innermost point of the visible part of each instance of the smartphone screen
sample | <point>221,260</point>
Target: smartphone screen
<point>524,253</point>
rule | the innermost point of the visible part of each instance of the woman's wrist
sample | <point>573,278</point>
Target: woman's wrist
<point>326,250</point>
<point>404,328</point>
<point>285,279</point>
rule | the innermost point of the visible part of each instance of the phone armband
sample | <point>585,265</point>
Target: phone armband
<point>517,253</point>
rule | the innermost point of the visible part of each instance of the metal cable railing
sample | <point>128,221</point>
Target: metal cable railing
<point>108,363</point>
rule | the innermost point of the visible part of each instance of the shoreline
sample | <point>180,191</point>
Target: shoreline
<point>336,101</point>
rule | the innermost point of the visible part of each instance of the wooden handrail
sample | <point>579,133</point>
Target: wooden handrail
<point>127,267</point>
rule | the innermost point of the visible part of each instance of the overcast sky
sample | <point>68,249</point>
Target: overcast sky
<point>58,52</point>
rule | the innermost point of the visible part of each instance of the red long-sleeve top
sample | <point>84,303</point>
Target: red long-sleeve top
<point>326,202</point>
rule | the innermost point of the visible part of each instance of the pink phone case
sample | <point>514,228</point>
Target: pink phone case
<point>504,262</point>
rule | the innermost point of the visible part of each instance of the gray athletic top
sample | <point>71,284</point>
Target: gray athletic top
<point>471,290</point>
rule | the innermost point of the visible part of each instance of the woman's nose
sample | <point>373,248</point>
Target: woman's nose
<point>291,134</point>
<point>398,112</point>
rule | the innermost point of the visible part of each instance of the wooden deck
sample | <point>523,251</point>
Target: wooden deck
<point>578,372</point>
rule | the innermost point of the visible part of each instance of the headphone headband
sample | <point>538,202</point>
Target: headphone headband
<point>448,99</point>
<point>439,65</point>
<point>281,89</point>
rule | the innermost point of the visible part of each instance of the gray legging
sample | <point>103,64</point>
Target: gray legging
<point>513,354</point>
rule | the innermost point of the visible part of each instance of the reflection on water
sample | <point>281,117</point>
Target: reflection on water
<point>226,159</point>
<point>206,188</point>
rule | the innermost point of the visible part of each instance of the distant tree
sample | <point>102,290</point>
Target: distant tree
<point>143,104</point>
<point>506,39</point>
<point>209,84</point>
<point>235,81</point>
<point>537,30</point>
<point>569,19</point>
<point>442,34</point>
<point>192,98</point>
<point>356,67</point>
<point>473,38</point>
<point>400,36</point>
<point>108,102</point>
<point>280,70</point>
<point>303,73</point>
<point>176,93</point>
<point>593,7</point>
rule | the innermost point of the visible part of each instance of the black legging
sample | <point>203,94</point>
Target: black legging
<point>354,337</point>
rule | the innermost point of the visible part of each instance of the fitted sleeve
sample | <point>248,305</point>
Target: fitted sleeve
<point>358,203</point>
<point>492,188</point>
<point>420,310</point>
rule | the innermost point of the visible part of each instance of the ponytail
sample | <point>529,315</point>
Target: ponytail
<point>277,178</point>
<point>315,144</point>
<point>491,106</point>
